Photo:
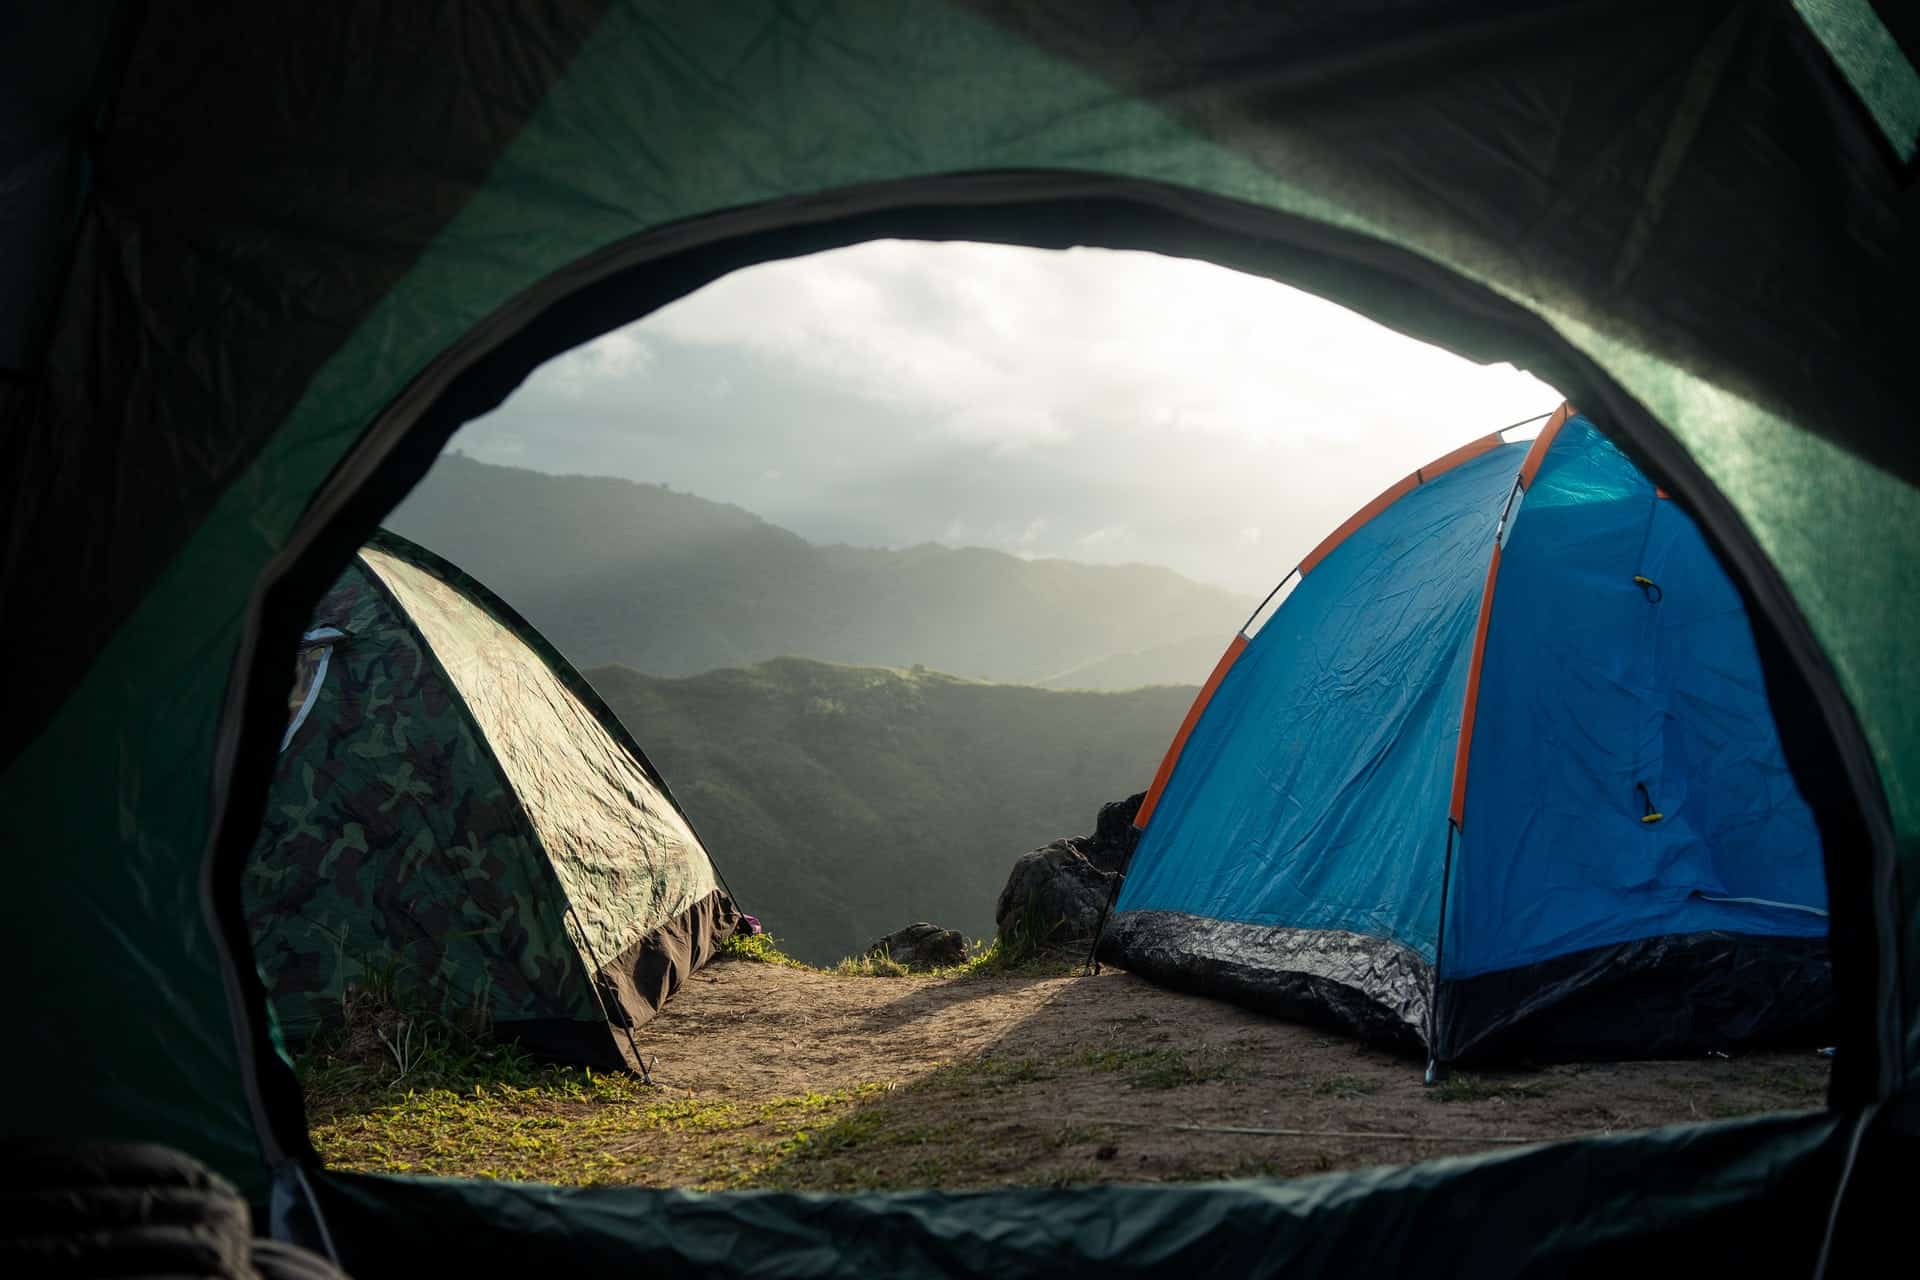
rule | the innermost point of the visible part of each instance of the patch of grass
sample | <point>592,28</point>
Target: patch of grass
<point>1000,1071</point>
<point>983,1075</point>
<point>385,1039</point>
<point>760,948</point>
<point>987,959</point>
<point>997,959</point>
<point>871,966</point>
<point>991,959</point>
<point>576,1127</point>
<point>1155,1068</point>
<point>871,1129</point>
<point>885,1146</point>
<point>1463,1087</point>
<point>1343,1087</point>
<point>1027,934</point>
<point>1121,1058</point>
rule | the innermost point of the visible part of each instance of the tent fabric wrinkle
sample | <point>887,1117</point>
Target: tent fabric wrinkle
<point>1365,769</point>
<point>462,821</point>
<point>263,259</point>
<point>1617,777</point>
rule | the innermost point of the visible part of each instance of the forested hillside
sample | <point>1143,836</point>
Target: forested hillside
<point>844,802</point>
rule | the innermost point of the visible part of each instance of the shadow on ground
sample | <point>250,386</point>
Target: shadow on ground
<point>1107,1079</point>
<point>780,1077</point>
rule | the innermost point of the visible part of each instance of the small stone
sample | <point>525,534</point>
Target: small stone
<point>922,945</point>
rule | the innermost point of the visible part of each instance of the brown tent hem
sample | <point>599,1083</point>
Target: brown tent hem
<point>639,980</point>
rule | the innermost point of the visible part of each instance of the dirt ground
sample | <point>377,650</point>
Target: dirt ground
<point>770,1076</point>
<point>981,1081</point>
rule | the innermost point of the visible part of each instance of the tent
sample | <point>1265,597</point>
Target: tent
<point>261,261</point>
<point>457,813</point>
<point>1493,773</point>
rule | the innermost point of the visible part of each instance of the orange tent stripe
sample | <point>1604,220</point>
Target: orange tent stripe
<point>1458,809</point>
<point>1465,453</point>
<point>1199,707</point>
<point>1543,442</point>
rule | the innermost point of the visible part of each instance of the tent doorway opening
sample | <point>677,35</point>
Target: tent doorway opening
<point>868,724</point>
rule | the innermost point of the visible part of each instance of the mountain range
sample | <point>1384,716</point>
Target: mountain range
<point>671,584</point>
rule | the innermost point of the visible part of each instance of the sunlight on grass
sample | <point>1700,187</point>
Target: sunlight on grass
<point>986,958</point>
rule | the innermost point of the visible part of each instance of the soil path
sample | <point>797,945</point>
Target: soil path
<point>982,1081</point>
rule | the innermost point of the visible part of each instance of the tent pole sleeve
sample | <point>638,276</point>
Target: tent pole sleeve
<point>1245,627</point>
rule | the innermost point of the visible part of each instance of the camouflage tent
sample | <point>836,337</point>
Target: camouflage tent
<point>258,262</point>
<point>457,813</point>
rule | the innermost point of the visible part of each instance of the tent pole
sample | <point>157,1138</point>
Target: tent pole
<point>1100,926</point>
<point>1436,1070</point>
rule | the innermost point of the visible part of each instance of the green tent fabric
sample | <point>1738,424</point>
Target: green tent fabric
<point>457,815</point>
<point>300,244</point>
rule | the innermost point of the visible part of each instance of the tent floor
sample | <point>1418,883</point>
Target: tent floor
<point>793,1078</point>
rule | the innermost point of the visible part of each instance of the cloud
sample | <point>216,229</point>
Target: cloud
<point>1156,409</point>
<point>621,356</point>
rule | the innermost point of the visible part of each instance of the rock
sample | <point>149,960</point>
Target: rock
<point>1114,836</point>
<point>922,946</point>
<point>1055,894</point>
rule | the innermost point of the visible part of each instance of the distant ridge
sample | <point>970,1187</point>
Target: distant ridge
<point>1195,655</point>
<point>618,572</point>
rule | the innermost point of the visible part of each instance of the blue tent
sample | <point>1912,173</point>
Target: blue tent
<point>1497,777</point>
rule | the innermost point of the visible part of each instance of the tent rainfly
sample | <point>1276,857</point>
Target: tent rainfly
<point>259,261</point>
<point>456,808</point>
<point>1497,777</point>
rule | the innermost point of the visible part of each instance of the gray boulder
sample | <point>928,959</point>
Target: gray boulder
<point>1055,894</point>
<point>922,946</point>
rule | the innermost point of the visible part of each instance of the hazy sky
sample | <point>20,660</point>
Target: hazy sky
<point>1089,404</point>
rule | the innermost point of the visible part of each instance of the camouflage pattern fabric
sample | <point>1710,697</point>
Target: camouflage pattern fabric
<point>393,847</point>
<point>627,859</point>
